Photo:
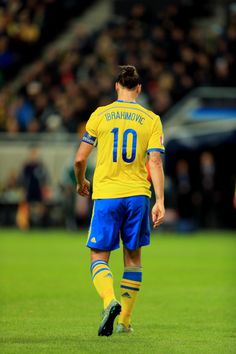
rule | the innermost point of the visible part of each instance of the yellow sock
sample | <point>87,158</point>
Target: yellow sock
<point>130,285</point>
<point>103,281</point>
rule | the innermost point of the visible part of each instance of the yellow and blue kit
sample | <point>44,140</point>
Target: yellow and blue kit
<point>125,132</point>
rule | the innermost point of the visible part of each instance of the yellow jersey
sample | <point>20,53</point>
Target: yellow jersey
<point>125,133</point>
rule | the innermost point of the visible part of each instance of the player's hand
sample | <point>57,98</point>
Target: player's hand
<point>83,189</point>
<point>158,213</point>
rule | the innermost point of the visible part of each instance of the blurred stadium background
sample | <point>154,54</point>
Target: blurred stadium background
<point>58,60</point>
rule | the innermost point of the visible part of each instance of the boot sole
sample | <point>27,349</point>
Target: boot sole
<point>106,328</point>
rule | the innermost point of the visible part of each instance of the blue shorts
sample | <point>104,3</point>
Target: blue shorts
<point>127,218</point>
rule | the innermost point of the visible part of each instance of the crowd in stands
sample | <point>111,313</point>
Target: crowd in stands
<point>172,55</point>
<point>25,26</point>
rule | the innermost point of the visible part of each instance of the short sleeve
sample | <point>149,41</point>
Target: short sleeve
<point>156,141</point>
<point>92,124</point>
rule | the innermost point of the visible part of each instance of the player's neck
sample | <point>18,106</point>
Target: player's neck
<point>126,98</point>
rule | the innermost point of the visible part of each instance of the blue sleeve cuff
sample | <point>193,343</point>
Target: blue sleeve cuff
<point>89,139</point>
<point>156,149</point>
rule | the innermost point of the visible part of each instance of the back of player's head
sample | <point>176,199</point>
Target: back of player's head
<point>128,77</point>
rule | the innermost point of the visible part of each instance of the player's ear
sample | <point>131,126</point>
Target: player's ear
<point>117,87</point>
<point>139,88</point>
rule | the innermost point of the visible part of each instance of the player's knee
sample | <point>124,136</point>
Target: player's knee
<point>132,258</point>
<point>97,254</point>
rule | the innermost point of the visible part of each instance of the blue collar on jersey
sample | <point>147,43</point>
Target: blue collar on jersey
<point>126,101</point>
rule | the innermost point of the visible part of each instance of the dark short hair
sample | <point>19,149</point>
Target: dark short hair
<point>128,76</point>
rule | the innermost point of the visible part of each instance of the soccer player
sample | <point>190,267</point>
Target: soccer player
<point>125,133</point>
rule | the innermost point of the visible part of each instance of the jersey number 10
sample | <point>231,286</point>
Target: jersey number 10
<point>115,131</point>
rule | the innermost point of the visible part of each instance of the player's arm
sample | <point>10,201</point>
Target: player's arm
<point>80,164</point>
<point>157,176</point>
<point>86,146</point>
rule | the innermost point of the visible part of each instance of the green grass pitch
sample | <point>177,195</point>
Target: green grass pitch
<point>187,303</point>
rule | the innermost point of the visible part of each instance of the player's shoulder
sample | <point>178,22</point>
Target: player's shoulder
<point>150,113</point>
<point>99,110</point>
